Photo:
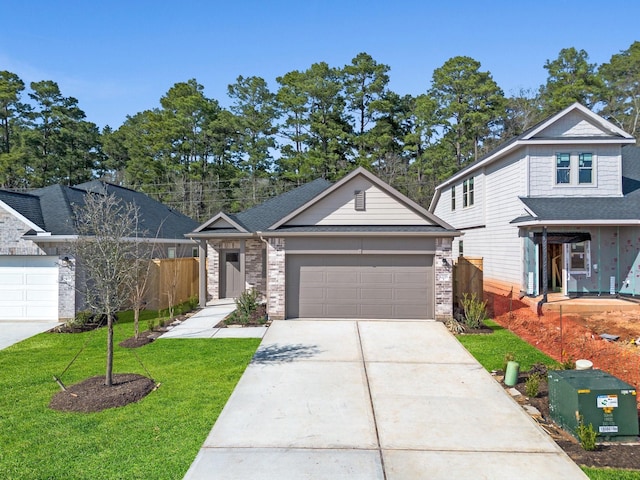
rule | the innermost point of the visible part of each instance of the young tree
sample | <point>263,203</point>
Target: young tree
<point>106,226</point>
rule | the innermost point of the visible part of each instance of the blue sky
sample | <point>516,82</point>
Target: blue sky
<point>119,57</point>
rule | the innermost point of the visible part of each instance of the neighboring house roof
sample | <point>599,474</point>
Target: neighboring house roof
<point>51,209</point>
<point>25,205</point>
<point>273,217</point>
<point>584,210</point>
<point>535,135</point>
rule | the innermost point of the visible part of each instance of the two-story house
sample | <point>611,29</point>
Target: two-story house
<point>555,209</point>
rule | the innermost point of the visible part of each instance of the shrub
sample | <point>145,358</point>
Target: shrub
<point>532,385</point>
<point>81,319</point>
<point>475,311</point>
<point>248,309</point>
<point>247,302</point>
<point>587,435</point>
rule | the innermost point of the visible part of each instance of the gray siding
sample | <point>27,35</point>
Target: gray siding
<point>339,208</point>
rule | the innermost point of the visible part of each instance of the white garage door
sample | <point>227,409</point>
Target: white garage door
<point>28,288</point>
<point>360,286</point>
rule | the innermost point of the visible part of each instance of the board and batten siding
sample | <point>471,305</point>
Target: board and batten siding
<point>339,208</point>
<point>607,171</point>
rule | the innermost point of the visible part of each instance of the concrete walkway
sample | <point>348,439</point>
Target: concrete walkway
<point>397,400</point>
<point>203,324</point>
<point>14,332</point>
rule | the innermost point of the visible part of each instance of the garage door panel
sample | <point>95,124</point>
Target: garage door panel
<point>376,294</point>
<point>360,286</point>
<point>28,288</point>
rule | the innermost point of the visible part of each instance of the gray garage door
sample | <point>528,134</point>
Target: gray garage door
<point>360,286</point>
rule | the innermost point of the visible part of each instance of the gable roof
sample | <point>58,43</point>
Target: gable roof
<point>271,217</point>
<point>262,216</point>
<point>591,210</point>
<point>50,210</point>
<point>533,136</point>
<point>377,182</point>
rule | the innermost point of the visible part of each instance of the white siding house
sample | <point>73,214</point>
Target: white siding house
<point>570,183</point>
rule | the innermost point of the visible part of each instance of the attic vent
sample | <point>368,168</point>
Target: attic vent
<point>359,200</point>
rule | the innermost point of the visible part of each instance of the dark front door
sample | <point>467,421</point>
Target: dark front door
<point>231,281</point>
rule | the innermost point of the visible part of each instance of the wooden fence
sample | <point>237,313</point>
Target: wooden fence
<point>171,280</point>
<point>467,278</point>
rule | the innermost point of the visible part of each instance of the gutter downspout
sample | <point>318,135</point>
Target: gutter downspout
<point>545,287</point>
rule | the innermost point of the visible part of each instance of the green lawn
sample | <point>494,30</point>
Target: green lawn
<point>157,437</point>
<point>490,351</point>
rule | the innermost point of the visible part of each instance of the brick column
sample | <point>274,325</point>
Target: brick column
<point>444,279</point>
<point>213,270</point>
<point>276,279</point>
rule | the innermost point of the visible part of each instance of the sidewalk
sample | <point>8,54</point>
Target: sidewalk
<point>373,400</point>
<point>203,324</point>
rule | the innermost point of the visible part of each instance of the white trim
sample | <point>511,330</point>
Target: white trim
<point>595,222</point>
<point>224,217</point>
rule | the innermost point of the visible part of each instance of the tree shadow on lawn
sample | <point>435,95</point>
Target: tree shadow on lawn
<point>276,353</point>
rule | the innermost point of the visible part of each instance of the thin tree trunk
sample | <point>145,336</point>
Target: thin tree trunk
<point>109,376</point>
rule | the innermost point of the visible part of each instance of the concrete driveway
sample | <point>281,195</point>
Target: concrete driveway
<point>14,332</point>
<point>393,400</point>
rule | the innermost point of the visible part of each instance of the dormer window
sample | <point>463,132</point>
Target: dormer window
<point>563,168</point>
<point>359,200</point>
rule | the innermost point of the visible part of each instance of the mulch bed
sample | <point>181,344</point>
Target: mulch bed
<point>92,395</point>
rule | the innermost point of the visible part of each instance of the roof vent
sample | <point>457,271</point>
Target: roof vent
<point>359,200</point>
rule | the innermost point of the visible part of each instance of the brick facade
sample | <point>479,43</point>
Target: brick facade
<point>276,279</point>
<point>443,265</point>
<point>255,263</point>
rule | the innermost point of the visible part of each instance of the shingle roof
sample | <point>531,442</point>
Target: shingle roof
<point>626,207</point>
<point>262,216</point>
<point>25,204</point>
<point>51,208</point>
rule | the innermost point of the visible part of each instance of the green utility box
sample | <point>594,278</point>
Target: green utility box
<point>602,400</point>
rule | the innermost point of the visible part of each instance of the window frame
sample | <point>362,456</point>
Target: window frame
<point>453,198</point>
<point>581,168</point>
<point>468,195</point>
<point>566,169</point>
<point>585,258</point>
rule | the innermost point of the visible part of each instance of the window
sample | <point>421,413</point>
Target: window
<point>171,252</point>
<point>460,248</point>
<point>585,168</point>
<point>563,168</point>
<point>194,252</point>
<point>453,198</point>
<point>579,257</point>
<point>467,192</point>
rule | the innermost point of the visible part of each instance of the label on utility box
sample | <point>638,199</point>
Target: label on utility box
<point>608,429</point>
<point>607,401</point>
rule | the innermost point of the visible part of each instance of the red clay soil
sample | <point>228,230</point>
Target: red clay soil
<point>574,337</point>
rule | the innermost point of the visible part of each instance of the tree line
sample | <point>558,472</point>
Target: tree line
<point>199,157</point>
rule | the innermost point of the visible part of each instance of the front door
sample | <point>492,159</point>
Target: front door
<point>231,281</point>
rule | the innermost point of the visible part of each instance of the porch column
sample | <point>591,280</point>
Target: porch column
<point>202,273</point>
<point>545,287</point>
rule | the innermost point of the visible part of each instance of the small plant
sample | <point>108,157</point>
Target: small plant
<point>454,326</point>
<point>532,385</point>
<point>81,319</point>
<point>151,324</point>
<point>586,435</point>
<point>475,311</point>
<point>247,302</point>
<point>508,357</point>
<point>569,364</point>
